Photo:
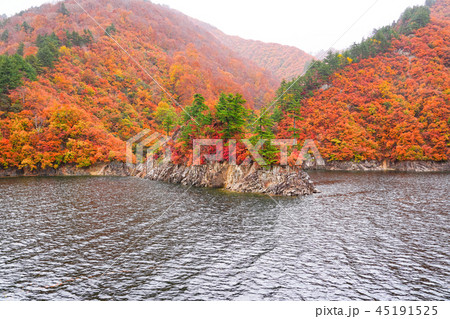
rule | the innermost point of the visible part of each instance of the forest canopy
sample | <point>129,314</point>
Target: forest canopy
<point>69,96</point>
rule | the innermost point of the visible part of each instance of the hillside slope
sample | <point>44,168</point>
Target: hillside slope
<point>81,95</point>
<point>285,62</point>
<point>385,99</point>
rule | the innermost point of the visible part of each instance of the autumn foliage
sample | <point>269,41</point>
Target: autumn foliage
<point>90,96</point>
<point>285,62</point>
<point>69,95</point>
<point>393,105</point>
<point>386,98</point>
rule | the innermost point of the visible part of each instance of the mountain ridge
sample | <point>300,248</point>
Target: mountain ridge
<point>284,61</point>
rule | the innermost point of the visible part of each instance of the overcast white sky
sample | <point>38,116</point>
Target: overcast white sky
<point>310,25</point>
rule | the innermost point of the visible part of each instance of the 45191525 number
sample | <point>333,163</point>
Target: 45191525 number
<point>407,311</point>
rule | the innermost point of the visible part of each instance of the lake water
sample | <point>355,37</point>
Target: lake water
<point>366,236</point>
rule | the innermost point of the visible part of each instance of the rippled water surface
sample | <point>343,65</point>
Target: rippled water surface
<point>365,236</point>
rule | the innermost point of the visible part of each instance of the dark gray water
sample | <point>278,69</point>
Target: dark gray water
<point>364,237</point>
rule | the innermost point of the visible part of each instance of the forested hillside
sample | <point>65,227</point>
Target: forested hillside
<point>285,62</point>
<point>70,95</point>
<point>386,98</point>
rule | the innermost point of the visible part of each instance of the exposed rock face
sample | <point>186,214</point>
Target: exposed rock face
<point>285,181</point>
<point>102,169</point>
<point>276,180</point>
<point>404,166</point>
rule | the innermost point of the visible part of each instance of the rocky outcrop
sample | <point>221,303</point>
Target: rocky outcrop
<point>284,181</point>
<point>101,169</point>
<point>275,180</point>
<point>404,166</point>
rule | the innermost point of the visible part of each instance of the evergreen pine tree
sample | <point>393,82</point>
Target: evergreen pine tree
<point>264,131</point>
<point>196,110</point>
<point>230,111</point>
<point>46,57</point>
<point>5,36</point>
<point>20,49</point>
<point>26,27</point>
<point>63,10</point>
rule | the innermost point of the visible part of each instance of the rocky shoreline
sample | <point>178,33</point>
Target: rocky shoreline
<point>100,169</point>
<point>378,166</point>
<point>276,180</point>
